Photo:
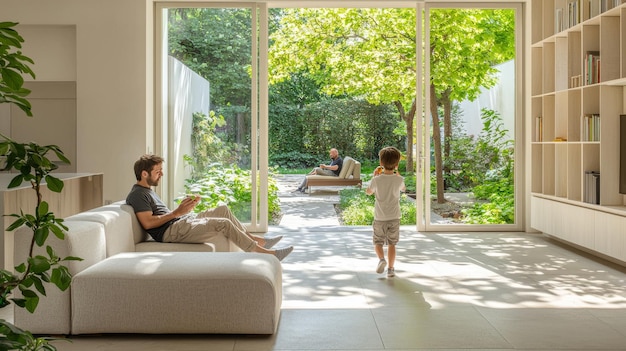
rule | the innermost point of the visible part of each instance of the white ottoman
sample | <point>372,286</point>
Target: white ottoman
<point>179,292</point>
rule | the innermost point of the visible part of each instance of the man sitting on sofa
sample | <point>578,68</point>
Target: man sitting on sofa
<point>332,169</point>
<point>179,225</point>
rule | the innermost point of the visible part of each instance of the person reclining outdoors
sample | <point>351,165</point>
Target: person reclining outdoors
<point>332,169</point>
<point>181,226</point>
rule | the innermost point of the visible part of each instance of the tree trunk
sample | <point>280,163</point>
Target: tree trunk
<point>447,133</point>
<point>437,144</point>
<point>408,119</point>
<point>241,128</point>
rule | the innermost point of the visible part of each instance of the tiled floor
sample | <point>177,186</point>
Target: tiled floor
<point>453,291</point>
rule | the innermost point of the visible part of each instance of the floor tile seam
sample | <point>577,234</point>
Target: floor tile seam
<point>619,331</point>
<point>494,327</point>
<point>378,329</point>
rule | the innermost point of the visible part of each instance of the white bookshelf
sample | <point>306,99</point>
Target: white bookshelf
<point>578,65</point>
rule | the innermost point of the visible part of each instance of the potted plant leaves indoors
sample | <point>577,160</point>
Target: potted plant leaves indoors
<point>29,163</point>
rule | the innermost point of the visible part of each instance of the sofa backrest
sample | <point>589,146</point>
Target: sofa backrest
<point>84,239</point>
<point>356,172</point>
<point>347,167</point>
<point>121,227</point>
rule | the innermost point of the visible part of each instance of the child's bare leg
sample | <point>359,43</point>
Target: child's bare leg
<point>391,255</point>
<point>379,251</point>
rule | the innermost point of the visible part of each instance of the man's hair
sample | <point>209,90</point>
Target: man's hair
<point>146,163</point>
<point>389,157</point>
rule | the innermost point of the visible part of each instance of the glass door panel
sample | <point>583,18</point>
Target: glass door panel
<point>208,104</point>
<point>473,104</point>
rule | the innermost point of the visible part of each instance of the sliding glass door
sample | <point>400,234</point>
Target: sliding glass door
<point>473,117</point>
<point>463,120</point>
<point>209,108</point>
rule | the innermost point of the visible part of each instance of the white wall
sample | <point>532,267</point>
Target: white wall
<point>112,65</point>
<point>500,98</point>
<point>188,94</point>
<point>53,49</point>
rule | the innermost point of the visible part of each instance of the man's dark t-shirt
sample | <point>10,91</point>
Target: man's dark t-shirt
<point>145,199</point>
<point>338,161</point>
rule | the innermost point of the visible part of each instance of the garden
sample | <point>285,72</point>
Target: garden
<point>345,78</point>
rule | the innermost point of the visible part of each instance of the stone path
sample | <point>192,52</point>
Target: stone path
<point>306,210</point>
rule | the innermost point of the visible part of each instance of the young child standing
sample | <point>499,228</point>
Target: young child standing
<point>386,187</point>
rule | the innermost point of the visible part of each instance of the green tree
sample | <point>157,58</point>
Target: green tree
<point>216,44</point>
<point>465,45</point>
<point>369,53</point>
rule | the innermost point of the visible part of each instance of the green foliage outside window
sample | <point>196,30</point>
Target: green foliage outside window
<point>498,185</point>
<point>230,186</point>
<point>209,145</point>
<point>357,208</point>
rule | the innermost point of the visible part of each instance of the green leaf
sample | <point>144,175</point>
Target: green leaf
<point>41,235</point>
<point>39,285</point>
<point>17,181</point>
<point>61,277</point>
<point>18,223</point>
<point>58,232</point>
<point>31,303</point>
<point>51,253</point>
<point>27,293</point>
<point>21,268</point>
<point>19,302</point>
<point>12,78</point>
<point>43,209</point>
<point>4,148</point>
<point>61,156</point>
<point>39,264</point>
<point>54,184</point>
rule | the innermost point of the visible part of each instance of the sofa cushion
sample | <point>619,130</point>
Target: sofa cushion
<point>121,227</point>
<point>198,292</point>
<point>347,167</point>
<point>350,171</point>
<point>152,246</point>
<point>139,234</point>
<point>82,239</point>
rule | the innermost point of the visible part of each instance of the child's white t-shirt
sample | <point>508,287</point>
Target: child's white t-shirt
<point>386,189</point>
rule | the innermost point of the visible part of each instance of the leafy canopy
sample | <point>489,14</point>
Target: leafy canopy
<point>465,45</point>
<point>348,51</point>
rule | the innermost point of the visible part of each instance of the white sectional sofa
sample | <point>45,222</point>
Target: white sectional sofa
<point>128,283</point>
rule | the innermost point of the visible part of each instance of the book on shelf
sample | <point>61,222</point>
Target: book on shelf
<point>592,67</point>
<point>591,193</point>
<point>590,130</point>
<point>574,81</point>
<point>558,20</point>
<point>606,5</point>
<point>538,129</point>
<point>594,8</point>
<point>573,15</point>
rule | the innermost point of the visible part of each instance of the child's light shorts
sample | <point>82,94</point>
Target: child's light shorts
<point>386,232</point>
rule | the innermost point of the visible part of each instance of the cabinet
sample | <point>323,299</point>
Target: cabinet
<point>578,75</point>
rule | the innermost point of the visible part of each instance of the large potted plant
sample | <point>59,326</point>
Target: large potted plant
<point>30,164</point>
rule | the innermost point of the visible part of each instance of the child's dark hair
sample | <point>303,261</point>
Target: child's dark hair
<point>389,157</point>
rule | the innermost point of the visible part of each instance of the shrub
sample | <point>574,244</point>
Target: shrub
<point>231,186</point>
<point>357,208</point>
<point>499,191</point>
<point>295,160</point>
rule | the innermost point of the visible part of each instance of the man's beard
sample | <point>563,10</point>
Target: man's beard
<point>152,182</point>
